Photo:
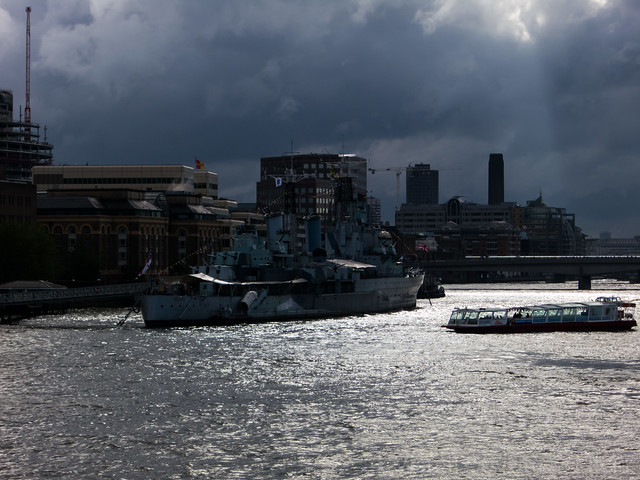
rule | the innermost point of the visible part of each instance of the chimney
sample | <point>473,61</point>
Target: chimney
<point>496,179</point>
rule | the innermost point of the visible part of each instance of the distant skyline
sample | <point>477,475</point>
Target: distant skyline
<point>553,86</point>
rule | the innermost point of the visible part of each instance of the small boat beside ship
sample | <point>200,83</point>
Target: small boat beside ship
<point>605,314</point>
<point>431,288</point>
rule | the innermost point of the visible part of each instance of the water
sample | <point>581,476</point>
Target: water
<point>375,396</point>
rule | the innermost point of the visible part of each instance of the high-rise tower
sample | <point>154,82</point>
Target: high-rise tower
<point>496,179</point>
<point>422,185</point>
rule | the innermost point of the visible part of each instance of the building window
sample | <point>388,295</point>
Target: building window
<point>122,246</point>
<point>182,244</point>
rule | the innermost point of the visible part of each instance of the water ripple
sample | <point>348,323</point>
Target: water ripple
<point>374,396</point>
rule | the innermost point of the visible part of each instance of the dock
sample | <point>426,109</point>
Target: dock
<point>18,304</point>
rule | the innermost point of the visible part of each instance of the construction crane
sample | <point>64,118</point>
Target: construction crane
<point>27,92</point>
<point>398,171</point>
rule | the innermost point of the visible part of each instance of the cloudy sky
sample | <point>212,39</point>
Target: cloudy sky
<point>554,85</point>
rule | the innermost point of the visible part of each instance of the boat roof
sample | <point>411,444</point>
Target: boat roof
<point>563,305</point>
<point>538,307</point>
<point>483,309</point>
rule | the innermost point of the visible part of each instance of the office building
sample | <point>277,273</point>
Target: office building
<point>422,185</point>
<point>416,219</point>
<point>150,178</point>
<point>550,231</point>
<point>304,184</point>
<point>374,212</point>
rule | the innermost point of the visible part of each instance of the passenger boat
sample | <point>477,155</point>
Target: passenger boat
<point>605,314</point>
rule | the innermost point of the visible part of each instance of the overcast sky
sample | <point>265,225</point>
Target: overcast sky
<point>554,85</point>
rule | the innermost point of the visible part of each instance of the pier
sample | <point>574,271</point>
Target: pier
<point>16,304</point>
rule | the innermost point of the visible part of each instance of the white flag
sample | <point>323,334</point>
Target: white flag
<point>278,181</point>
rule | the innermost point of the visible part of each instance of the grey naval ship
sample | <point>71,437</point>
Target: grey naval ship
<point>356,271</point>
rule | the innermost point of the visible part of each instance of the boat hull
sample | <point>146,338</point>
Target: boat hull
<point>612,326</point>
<point>370,296</point>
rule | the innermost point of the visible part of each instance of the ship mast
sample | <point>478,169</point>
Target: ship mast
<point>290,212</point>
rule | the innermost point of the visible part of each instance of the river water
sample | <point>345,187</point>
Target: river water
<point>375,396</point>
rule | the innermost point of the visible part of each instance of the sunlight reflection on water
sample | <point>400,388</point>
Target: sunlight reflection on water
<point>374,396</point>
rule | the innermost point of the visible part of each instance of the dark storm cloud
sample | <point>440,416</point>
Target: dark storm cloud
<point>554,86</point>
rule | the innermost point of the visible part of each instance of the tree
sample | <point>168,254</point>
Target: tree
<point>27,252</point>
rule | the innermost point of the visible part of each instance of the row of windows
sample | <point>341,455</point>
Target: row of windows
<point>124,180</point>
<point>210,186</point>
<point>15,200</point>
<point>14,219</point>
<point>86,230</point>
<point>72,230</point>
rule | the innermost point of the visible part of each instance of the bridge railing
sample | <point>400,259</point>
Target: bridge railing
<point>16,297</point>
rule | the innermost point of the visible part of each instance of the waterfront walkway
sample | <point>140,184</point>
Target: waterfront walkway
<point>19,303</point>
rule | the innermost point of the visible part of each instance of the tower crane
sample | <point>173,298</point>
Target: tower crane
<point>398,171</point>
<point>27,103</point>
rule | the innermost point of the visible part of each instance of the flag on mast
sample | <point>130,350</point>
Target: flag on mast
<point>146,265</point>
<point>199,164</point>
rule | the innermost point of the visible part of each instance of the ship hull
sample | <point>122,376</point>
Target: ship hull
<point>369,296</point>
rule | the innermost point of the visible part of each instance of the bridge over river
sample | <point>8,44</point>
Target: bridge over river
<point>584,267</point>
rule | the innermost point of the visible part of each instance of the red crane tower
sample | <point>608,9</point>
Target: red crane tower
<point>27,92</point>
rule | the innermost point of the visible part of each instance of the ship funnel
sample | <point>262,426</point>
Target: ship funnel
<point>312,233</point>
<point>275,228</point>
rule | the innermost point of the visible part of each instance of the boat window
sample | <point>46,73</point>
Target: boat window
<point>595,313</point>
<point>486,318</point>
<point>555,315</point>
<point>539,316</point>
<point>569,314</point>
<point>471,318</point>
<point>456,316</point>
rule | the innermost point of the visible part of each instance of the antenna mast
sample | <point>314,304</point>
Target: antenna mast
<point>27,103</point>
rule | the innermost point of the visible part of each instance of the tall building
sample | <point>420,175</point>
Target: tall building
<point>374,213</point>
<point>551,230</point>
<point>20,145</point>
<point>422,185</point>
<point>315,175</point>
<point>496,179</point>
